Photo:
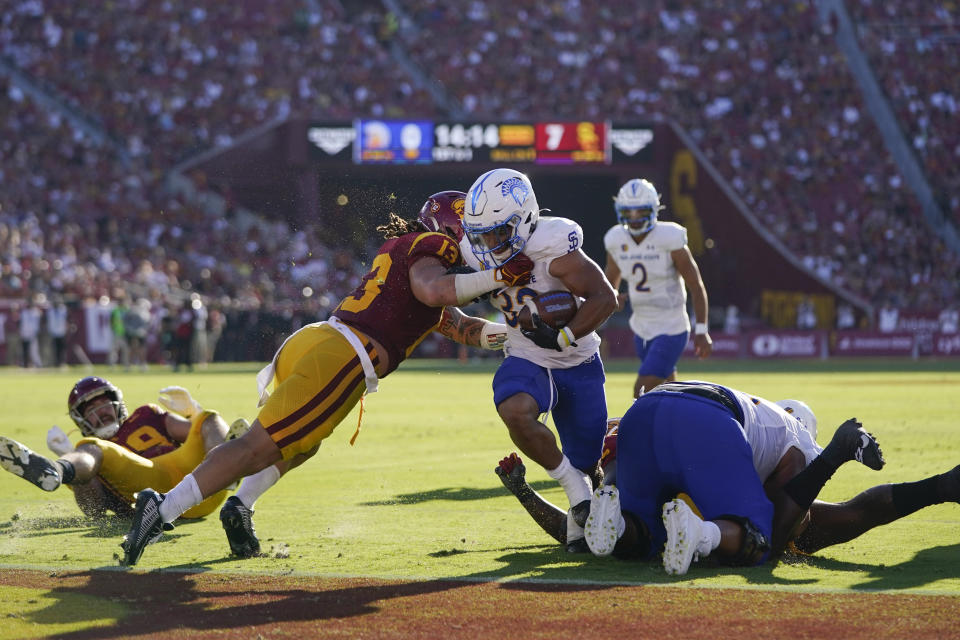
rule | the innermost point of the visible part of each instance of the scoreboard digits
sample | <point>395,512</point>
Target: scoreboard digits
<point>427,142</point>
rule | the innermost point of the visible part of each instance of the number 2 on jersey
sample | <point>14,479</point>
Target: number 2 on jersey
<point>638,266</point>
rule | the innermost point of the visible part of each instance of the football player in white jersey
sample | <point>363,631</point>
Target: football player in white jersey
<point>791,466</point>
<point>546,369</point>
<point>652,256</point>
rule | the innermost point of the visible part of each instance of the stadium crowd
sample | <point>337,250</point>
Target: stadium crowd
<point>909,45</point>
<point>82,219</point>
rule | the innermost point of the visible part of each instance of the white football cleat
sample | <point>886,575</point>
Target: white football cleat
<point>605,523</point>
<point>684,533</point>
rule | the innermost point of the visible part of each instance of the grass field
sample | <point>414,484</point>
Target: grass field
<point>416,501</point>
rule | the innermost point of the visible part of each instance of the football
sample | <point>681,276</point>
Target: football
<point>555,308</point>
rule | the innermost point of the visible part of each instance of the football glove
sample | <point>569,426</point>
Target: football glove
<point>546,337</point>
<point>516,272</point>
<point>179,400</point>
<point>57,441</point>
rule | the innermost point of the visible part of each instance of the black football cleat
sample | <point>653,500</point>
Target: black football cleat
<point>237,521</point>
<point>32,467</point>
<point>578,545</point>
<point>147,527</point>
<point>581,511</point>
<point>853,443</point>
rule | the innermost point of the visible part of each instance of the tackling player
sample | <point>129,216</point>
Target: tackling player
<point>321,372</point>
<point>652,256</point>
<point>546,369</point>
<point>121,454</point>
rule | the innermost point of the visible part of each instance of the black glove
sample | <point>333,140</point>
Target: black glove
<point>542,334</point>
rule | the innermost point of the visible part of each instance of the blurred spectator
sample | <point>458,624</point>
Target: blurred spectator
<point>183,337</point>
<point>199,344</point>
<point>888,317</point>
<point>806,314</point>
<point>119,347</point>
<point>216,320</point>
<point>845,317</point>
<point>57,328</point>
<point>949,320</point>
<point>731,321</point>
<point>30,317</point>
<point>136,322</point>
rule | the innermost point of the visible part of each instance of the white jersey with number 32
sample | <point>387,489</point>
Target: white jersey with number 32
<point>553,238</point>
<point>657,293</point>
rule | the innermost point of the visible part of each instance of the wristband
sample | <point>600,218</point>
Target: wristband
<point>700,329</point>
<point>472,285</point>
<point>565,338</point>
<point>493,335</point>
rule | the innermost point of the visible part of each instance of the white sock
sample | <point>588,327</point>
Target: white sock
<point>182,497</point>
<point>709,538</point>
<point>574,531</point>
<point>576,484</point>
<point>252,487</point>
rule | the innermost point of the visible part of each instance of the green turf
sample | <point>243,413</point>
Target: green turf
<point>417,496</point>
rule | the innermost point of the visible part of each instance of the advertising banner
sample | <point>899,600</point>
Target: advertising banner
<point>872,343</point>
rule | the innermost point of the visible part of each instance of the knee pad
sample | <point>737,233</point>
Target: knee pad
<point>755,547</point>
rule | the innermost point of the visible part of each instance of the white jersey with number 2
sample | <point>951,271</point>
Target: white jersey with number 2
<point>657,293</point>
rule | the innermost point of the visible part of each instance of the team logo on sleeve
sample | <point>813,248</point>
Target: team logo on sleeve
<point>515,188</point>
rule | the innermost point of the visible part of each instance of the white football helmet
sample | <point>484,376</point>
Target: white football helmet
<point>802,412</point>
<point>637,195</point>
<point>500,215</point>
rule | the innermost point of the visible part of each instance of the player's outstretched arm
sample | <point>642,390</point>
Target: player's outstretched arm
<point>432,285</point>
<point>551,518</point>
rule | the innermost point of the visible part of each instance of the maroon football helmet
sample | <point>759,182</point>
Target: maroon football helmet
<point>443,213</point>
<point>84,391</point>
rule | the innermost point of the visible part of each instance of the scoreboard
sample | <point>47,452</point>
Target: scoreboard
<point>428,142</point>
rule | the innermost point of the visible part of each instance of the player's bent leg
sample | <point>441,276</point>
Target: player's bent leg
<point>644,384</point>
<point>519,413</point>
<point>214,430</point>
<point>246,455</point>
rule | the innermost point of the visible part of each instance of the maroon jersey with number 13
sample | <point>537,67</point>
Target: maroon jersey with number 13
<point>384,307</point>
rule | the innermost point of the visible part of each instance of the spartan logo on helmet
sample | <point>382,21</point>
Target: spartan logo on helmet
<point>501,214</point>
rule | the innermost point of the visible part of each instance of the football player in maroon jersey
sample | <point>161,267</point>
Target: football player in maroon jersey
<point>121,454</point>
<point>323,370</point>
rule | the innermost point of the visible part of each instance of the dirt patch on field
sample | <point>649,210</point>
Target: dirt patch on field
<point>207,605</point>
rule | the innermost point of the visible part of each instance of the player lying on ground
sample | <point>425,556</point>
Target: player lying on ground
<point>321,372</point>
<point>768,428</point>
<point>829,523</point>
<point>121,454</point>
